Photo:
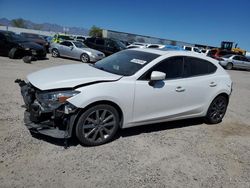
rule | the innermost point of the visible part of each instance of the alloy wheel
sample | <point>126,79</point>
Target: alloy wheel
<point>217,109</point>
<point>97,125</point>
<point>85,58</point>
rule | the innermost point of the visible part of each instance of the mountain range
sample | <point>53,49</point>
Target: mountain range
<point>47,27</point>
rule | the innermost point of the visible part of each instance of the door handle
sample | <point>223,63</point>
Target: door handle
<point>179,89</point>
<point>212,84</point>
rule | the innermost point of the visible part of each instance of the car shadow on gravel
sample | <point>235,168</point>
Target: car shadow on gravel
<point>56,141</point>
<point>133,131</point>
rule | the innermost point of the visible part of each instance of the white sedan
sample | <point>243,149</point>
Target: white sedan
<point>129,88</point>
<point>231,61</point>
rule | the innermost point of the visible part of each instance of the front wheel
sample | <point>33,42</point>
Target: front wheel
<point>229,66</point>
<point>97,125</point>
<point>55,53</point>
<point>85,58</point>
<point>217,110</point>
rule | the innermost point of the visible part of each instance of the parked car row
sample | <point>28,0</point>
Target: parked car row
<point>235,61</point>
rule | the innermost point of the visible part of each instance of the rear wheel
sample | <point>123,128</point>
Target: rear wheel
<point>55,53</point>
<point>229,66</point>
<point>217,110</point>
<point>97,125</point>
<point>13,53</point>
<point>85,58</point>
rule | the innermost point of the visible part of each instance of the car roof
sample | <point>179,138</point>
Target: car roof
<point>170,52</point>
<point>175,53</point>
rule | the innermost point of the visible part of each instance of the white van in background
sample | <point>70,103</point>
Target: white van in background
<point>191,48</point>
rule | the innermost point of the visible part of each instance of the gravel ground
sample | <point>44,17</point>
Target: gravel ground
<point>178,154</point>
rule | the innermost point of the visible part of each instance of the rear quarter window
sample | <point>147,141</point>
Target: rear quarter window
<point>197,67</point>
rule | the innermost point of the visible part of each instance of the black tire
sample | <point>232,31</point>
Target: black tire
<point>27,59</point>
<point>85,58</point>
<point>229,66</point>
<point>13,53</point>
<point>97,125</point>
<point>55,53</point>
<point>217,110</point>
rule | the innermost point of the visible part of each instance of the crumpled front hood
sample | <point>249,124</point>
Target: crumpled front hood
<point>68,76</point>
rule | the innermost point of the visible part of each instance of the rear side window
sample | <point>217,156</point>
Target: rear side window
<point>197,67</point>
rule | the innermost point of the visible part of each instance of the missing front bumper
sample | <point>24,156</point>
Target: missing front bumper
<point>46,128</point>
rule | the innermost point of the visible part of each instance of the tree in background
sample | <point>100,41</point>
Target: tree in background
<point>95,31</point>
<point>18,23</point>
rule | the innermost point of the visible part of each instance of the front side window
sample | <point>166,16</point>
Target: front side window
<point>172,67</point>
<point>236,58</point>
<point>66,43</point>
<point>126,62</point>
<point>197,67</point>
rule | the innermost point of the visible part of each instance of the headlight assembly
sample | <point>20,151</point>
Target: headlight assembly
<point>56,98</point>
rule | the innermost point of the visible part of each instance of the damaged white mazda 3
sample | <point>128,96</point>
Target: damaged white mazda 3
<point>129,88</point>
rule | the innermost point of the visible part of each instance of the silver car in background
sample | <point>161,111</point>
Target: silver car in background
<point>76,50</point>
<point>235,61</point>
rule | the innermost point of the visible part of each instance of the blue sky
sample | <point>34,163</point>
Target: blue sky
<point>195,21</point>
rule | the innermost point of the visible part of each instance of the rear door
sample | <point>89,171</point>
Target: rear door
<point>200,84</point>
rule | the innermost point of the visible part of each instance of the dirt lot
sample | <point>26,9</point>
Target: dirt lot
<point>178,154</point>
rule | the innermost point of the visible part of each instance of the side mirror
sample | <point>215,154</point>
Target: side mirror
<point>156,76</point>
<point>71,47</point>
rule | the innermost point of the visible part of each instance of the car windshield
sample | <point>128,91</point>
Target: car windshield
<point>80,45</point>
<point>14,37</point>
<point>125,63</point>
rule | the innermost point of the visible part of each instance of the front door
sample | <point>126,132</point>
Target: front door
<point>162,99</point>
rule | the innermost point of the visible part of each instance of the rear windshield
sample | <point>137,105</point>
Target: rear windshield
<point>126,62</point>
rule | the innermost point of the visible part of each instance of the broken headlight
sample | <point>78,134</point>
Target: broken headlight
<point>55,99</point>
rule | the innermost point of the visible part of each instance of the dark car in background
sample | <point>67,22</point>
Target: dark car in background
<point>16,46</point>
<point>37,39</point>
<point>218,53</point>
<point>105,45</point>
